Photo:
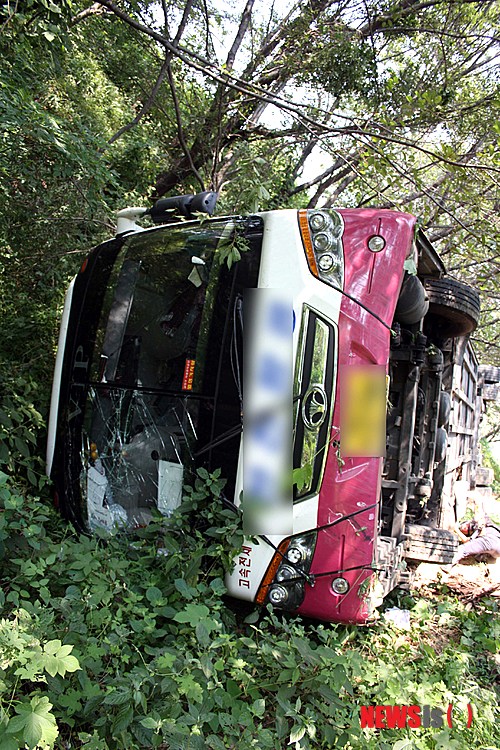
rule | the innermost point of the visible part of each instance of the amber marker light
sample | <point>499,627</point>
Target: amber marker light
<point>307,241</point>
<point>271,571</point>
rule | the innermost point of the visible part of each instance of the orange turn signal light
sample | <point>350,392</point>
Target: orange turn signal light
<point>279,555</point>
<point>307,241</point>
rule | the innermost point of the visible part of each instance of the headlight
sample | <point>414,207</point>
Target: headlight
<point>283,584</point>
<point>285,573</point>
<point>340,586</point>
<point>317,221</point>
<point>322,232</point>
<point>322,241</point>
<point>326,262</point>
<point>278,595</point>
<point>376,243</point>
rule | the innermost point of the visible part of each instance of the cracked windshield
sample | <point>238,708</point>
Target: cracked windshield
<point>147,373</point>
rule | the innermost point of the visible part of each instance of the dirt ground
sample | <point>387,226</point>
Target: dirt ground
<point>469,581</point>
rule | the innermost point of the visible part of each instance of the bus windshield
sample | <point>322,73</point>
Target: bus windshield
<point>165,311</point>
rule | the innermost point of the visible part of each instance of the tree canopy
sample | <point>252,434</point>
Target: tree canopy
<point>385,102</point>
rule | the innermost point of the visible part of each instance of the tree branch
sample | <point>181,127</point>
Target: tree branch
<point>180,132</point>
<point>234,82</point>
<point>96,9</point>
<point>245,20</point>
<point>161,76</point>
<point>147,104</point>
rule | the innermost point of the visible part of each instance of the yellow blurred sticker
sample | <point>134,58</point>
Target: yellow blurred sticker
<point>363,390</point>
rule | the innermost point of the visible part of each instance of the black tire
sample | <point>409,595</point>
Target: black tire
<point>454,304</point>
<point>412,303</point>
<point>444,408</point>
<point>430,545</point>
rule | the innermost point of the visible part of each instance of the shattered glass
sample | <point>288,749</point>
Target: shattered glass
<point>146,375</point>
<point>138,446</point>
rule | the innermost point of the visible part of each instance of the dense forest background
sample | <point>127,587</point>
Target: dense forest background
<point>378,102</point>
<point>392,103</point>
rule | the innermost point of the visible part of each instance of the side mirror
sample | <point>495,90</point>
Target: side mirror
<point>204,203</point>
<point>169,209</point>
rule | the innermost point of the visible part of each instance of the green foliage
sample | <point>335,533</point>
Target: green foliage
<point>490,462</point>
<point>335,59</point>
<point>59,186</point>
<point>20,425</point>
<point>229,250</point>
<point>301,477</point>
<point>26,717</point>
<point>35,18</point>
<point>128,642</point>
<point>258,179</point>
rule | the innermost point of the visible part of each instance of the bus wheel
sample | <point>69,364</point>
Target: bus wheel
<point>412,303</point>
<point>453,305</point>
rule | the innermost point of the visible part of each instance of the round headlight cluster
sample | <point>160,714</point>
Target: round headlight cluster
<point>326,227</point>
<point>287,589</point>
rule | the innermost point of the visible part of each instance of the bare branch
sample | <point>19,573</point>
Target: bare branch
<point>340,189</point>
<point>406,8</point>
<point>436,32</point>
<point>306,152</point>
<point>343,173</point>
<point>244,23</point>
<point>147,104</point>
<point>96,9</point>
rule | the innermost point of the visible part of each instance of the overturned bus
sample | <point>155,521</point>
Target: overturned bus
<point>148,386</point>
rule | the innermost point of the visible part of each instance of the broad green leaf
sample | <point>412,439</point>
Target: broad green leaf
<point>192,614</point>
<point>296,734</point>
<point>118,697</point>
<point>7,743</point>
<point>190,688</point>
<point>57,659</point>
<point>35,721</point>
<point>149,723</point>
<point>153,594</point>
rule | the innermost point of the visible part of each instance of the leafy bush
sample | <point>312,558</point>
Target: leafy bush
<point>166,661</point>
<point>490,462</point>
<point>20,425</point>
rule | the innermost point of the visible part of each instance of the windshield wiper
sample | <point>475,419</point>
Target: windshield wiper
<point>99,385</point>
